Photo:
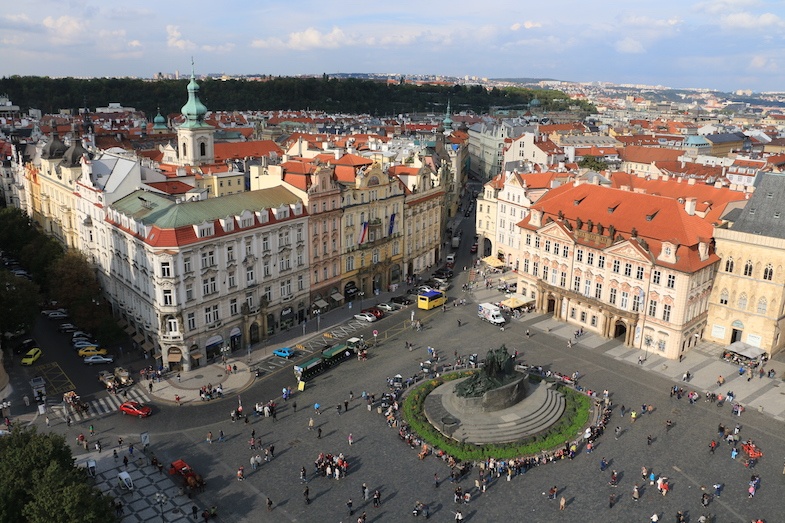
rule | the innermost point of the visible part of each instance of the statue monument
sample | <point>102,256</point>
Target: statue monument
<point>497,371</point>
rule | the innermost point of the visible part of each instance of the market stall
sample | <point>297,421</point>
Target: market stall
<point>740,353</point>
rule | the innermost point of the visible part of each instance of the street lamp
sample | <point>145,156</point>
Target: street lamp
<point>318,319</point>
<point>361,294</point>
<point>647,341</point>
<point>161,498</point>
<point>6,406</point>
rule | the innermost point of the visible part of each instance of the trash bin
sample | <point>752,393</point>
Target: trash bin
<point>379,410</point>
<point>760,408</point>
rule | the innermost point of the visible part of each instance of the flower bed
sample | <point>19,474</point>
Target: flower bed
<point>575,418</point>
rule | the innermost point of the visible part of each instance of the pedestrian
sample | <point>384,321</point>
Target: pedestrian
<point>562,503</point>
<point>125,461</point>
<point>351,439</point>
<point>552,492</point>
<point>459,323</point>
<point>178,377</point>
<point>622,411</point>
<point>68,421</point>
<point>349,506</point>
<point>194,511</point>
<point>527,333</point>
<point>150,386</point>
<point>648,440</point>
<point>272,451</point>
<point>177,399</point>
<point>346,405</point>
<point>131,449</point>
<point>635,493</point>
<point>377,498</point>
<point>120,442</point>
<point>303,475</point>
<point>712,446</point>
<point>114,454</point>
<point>717,489</point>
<point>319,433</point>
<point>611,500</point>
<point>668,425</point>
<point>310,424</point>
<point>617,432</point>
<point>603,464</point>
<point>210,437</point>
<point>307,495</point>
<point>92,430</point>
<point>734,452</point>
<point>294,405</point>
<point>269,501</point>
<point>98,446</point>
<point>338,409</point>
<point>221,435</point>
<point>364,491</point>
<point>458,515</point>
<point>47,421</point>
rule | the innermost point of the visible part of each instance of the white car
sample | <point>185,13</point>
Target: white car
<point>98,359</point>
<point>47,312</point>
<point>81,334</point>
<point>82,344</point>
<point>425,288</point>
<point>57,315</point>
<point>389,307</point>
<point>365,316</point>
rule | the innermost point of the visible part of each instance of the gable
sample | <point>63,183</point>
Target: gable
<point>629,250</point>
<point>556,231</point>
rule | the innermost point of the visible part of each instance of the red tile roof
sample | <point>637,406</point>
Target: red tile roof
<point>638,154</point>
<point>239,150</point>
<point>171,187</point>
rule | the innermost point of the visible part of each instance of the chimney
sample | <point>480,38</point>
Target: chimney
<point>689,205</point>
<point>337,154</point>
<point>691,181</point>
<point>624,188</point>
<point>703,251</point>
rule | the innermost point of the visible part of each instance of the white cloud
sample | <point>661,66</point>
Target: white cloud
<point>134,43</point>
<point>629,46</point>
<point>309,39</point>
<point>174,39</point>
<point>222,48</point>
<point>65,29</point>
<point>764,63</point>
<point>515,26</point>
<point>744,20</point>
<point>528,24</point>
<point>723,6</point>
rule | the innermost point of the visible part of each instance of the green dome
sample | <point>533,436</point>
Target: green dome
<point>159,122</point>
<point>194,110</point>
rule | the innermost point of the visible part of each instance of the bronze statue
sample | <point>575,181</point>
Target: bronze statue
<point>497,370</point>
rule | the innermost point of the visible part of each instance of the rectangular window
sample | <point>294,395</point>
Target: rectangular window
<point>556,248</point>
<point>248,247</point>
<point>565,252</point>
<point>554,274</point>
<point>587,288</point>
<point>166,270</point>
<point>187,264</point>
<point>576,284</point>
<point>208,286</point>
<point>639,273</point>
<point>526,266</point>
<point>572,312</point>
<point>563,279</point>
<point>232,280</point>
<point>652,308</point>
<point>168,298</point>
<point>265,243</point>
<point>208,259</point>
<point>598,291</point>
<point>191,321</point>
<point>593,320</point>
<point>230,253</point>
<point>616,267</point>
<point>547,246</point>
<point>189,292</point>
<point>536,269</point>
<point>249,300</point>
<point>624,299</point>
<point>628,269</point>
<point>666,312</point>
<point>579,255</point>
<point>583,316</point>
<point>233,307</point>
<point>636,302</point>
<point>211,314</point>
<point>284,264</point>
<point>528,239</point>
<point>601,261</point>
<point>536,242</point>
<point>266,269</point>
<point>656,277</point>
<point>671,281</point>
<point>249,275</point>
<point>590,258</point>
<point>612,297</point>
<point>268,294</point>
<point>545,272</point>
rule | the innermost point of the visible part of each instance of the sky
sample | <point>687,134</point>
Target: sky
<point>714,44</point>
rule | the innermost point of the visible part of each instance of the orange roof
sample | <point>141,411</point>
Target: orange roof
<point>403,170</point>
<point>639,154</point>
<point>347,159</point>
<point>171,186</point>
<point>238,150</point>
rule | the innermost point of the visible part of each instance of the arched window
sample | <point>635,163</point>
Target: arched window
<point>762,306</point>
<point>748,268</point>
<point>729,265</point>
<point>743,302</point>
<point>203,149</point>
<point>185,149</point>
<point>724,297</point>
<point>768,272</point>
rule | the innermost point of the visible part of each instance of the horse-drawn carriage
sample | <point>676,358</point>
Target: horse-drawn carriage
<point>74,401</point>
<point>191,479</point>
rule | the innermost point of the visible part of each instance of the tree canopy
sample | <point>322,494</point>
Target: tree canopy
<point>40,484</point>
<point>348,95</point>
<point>593,163</point>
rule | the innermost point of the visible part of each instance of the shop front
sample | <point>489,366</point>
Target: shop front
<point>235,339</point>
<point>350,291</point>
<point>195,356</point>
<point>213,346</point>
<point>287,318</point>
<point>174,359</point>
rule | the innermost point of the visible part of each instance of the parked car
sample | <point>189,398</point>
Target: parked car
<point>67,327</point>
<point>375,311</point>
<point>134,408</point>
<point>98,359</point>
<point>83,344</point>
<point>284,352</point>
<point>81,334</point>
<point>424,288</point>
<point>25,346</point>
<point>57,315</point>
<point>401,300</point>
<point>365,316</point>
<point>388,307</point>
<point>32,356</point>
<point>91,351</point>
<point>444,272</point>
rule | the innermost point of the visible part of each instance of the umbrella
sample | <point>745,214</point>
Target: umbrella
<point>316,406</point>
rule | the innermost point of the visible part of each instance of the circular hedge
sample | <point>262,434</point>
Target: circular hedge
<point>572,422</point>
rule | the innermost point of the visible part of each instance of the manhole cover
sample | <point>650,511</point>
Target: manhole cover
<point>220,375</point>
<point>199,376</point>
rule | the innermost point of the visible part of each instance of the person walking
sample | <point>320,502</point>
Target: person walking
<point>436,479</point>
<point>648,440</point>
<point>210,437</point>
<point>611,500</point>
<point>318,433</point>
<point>303,475</point>
<point>269,501</point>
<point>47,421</point>
<point>636,495</point>
<point>377,498</point>
<point>351,439</point>
<point>349,505</point>
<point>310,424</point>
<point>617,432</point>
<point>221,435</point>
<point>562,503</point>
<point>365,492</point>
<point>92,430</point>
<point>307,495</point>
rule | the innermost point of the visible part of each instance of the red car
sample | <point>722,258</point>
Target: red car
<point>376,312</point>
<point>134,408</point>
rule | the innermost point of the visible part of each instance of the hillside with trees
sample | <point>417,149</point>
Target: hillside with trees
<point>332,95</point>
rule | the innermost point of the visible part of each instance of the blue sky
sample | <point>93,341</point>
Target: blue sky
<point>718,44</point>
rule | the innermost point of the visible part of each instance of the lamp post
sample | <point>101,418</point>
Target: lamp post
<point>647,341</point>
<point>318,319</point>
<point>6,406</point>
<point>161,498</point>
<point>361,294</point>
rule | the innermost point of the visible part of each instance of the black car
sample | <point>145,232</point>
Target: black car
<point>401,300</point>
<point>444,272</point>
<point>25,346</point>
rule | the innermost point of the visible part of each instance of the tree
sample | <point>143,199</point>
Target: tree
<point>18,303</point>
<point>593,163</point>
<point>40,484</point>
